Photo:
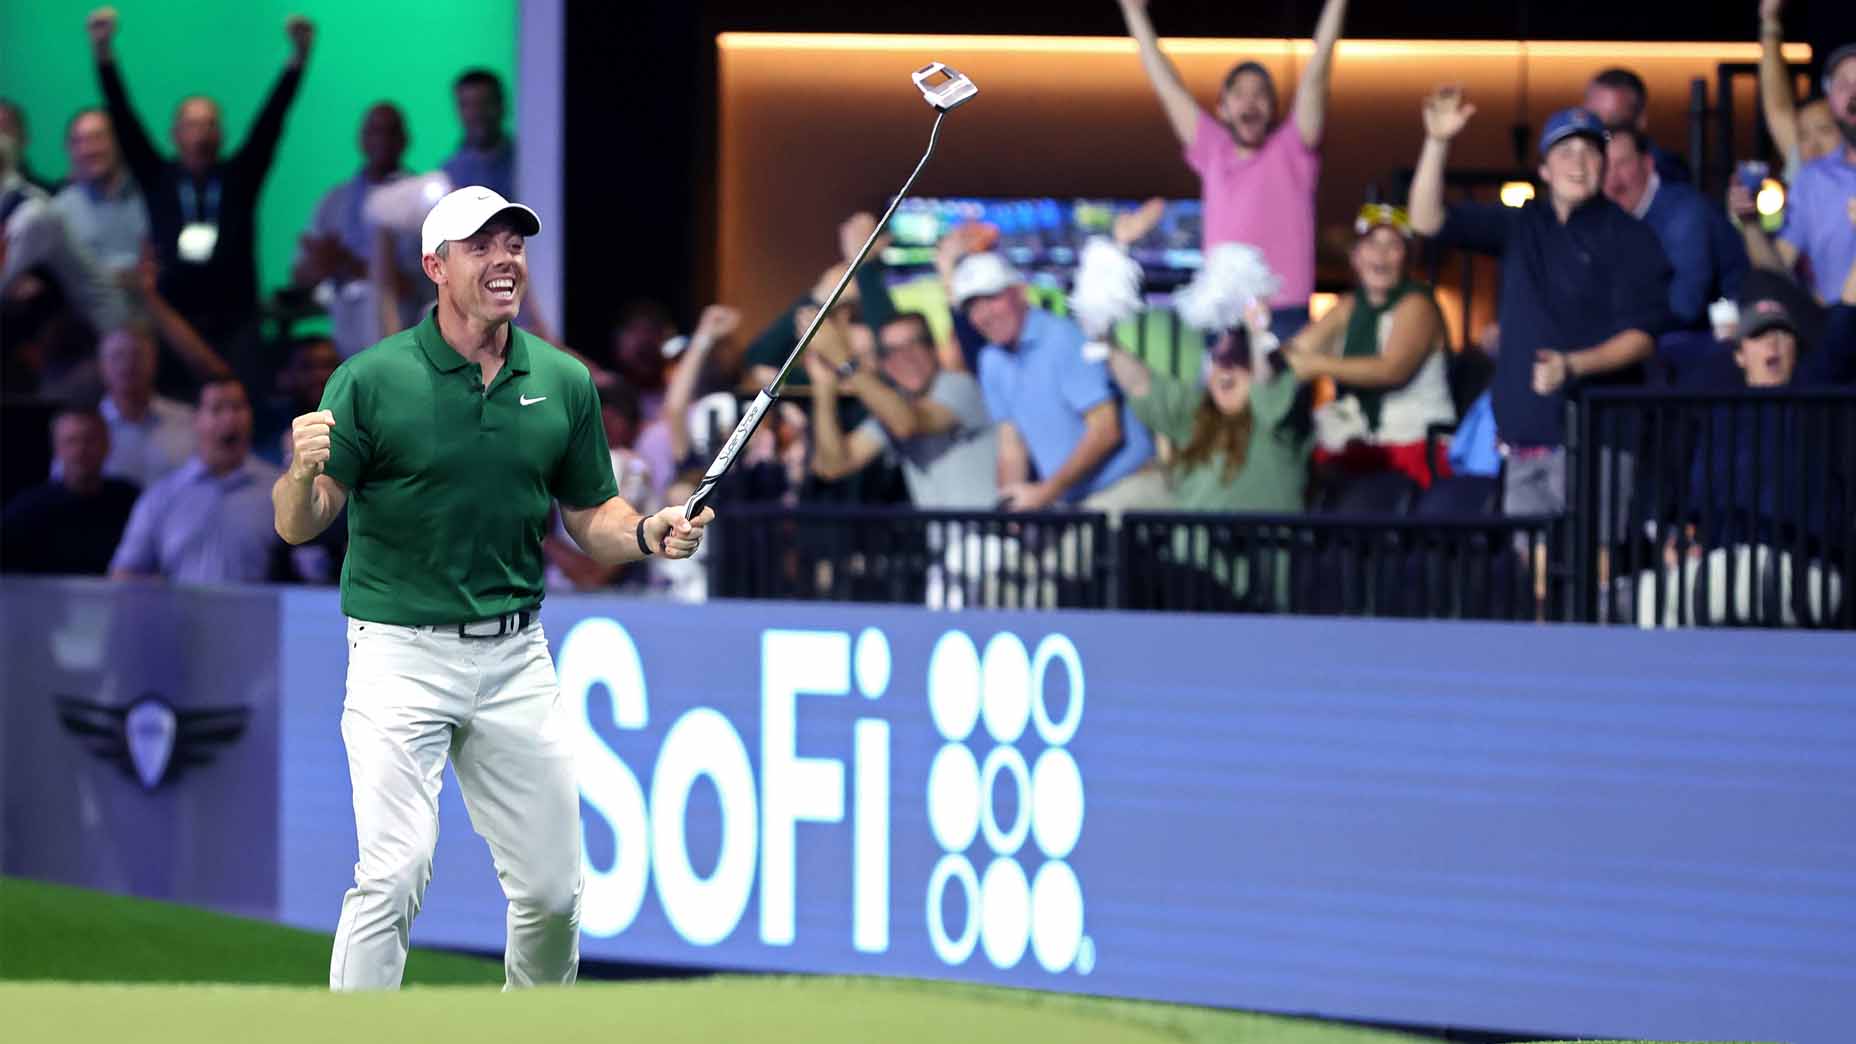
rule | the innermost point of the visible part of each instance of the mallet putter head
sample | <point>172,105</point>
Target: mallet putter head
<point>942,87</point>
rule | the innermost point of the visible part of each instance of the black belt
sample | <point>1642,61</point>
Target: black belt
<point>492,627</point>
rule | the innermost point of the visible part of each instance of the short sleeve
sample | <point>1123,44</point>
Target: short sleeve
<point>1799,210</point>
<point>138,552</point>
<point>1302,160</point>
<point>1208,136</point>
<point>583,478</point>
<point>1483,227</point>
<point>992,384</point>
<point>960,393</point>
<point>351,445</point>
<point>1169,407</point>
<point>1085,385</point>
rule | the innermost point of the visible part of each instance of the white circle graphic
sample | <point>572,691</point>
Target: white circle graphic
<point>956,867</point>
<point>954,797</point>
<point>1056,802</point>
<point>1056,915</point>
<point>1057,647</point>
<point>1005,842</point>
<point>954,685</point>
<point>1005,913</point>
<point>872,663</point>
<point>1005,672</point>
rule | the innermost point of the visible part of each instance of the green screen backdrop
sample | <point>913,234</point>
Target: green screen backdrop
<point>232,50</point>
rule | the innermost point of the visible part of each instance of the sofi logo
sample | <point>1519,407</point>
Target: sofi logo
<point>998,736</point>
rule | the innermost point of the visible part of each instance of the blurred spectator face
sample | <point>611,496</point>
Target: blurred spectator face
<point>1574,170</point>
<point>197,135</point>
<point>383,138</point>
<point>1247,107</point>
<point>1227,381</point>
<point>480,110</point>
<point>620,428</point>
<point>1627,171</point>
<point>1616,106</point>
<point>127,359</point>
<point>80,442</point>
<point>1000,317</point>
<point>308,372</point>
<point>13,124</point>
<point>91,148</point>
<point>1841,93</point>
<point>907,355</point>
<point>1379,259</point>
<point>486,275</point>
<point>1769,358</point>
<point>1818,135</point>
<point>638,347</point>
<point>222,423</point>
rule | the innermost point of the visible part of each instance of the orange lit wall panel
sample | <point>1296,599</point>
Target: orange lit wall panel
<point>813,127</point>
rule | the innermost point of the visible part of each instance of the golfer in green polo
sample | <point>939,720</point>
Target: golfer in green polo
<point>448,443</point>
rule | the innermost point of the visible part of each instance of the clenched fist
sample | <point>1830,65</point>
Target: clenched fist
<point>309,444</point>
<point>675,536</point>
<point>302,32</point>
<point>101,25</point>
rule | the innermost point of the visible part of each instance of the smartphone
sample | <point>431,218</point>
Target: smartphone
<point>1753,174</point>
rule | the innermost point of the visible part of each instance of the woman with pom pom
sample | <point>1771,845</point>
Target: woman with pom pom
<point>1236,445</point>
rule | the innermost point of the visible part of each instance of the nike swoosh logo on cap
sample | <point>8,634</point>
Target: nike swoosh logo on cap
<point>526,401</point>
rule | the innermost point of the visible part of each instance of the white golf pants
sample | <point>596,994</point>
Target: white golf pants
<point>493,706</point>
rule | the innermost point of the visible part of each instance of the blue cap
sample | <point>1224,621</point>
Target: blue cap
<point>1568,122</point>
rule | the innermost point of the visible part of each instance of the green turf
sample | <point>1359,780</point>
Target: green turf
<point>156,972</point>
<point>54,932</point>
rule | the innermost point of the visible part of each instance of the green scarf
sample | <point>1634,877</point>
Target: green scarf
<point>1362,341</point>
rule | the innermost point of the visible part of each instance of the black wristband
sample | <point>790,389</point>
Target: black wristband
<point>643,547</point>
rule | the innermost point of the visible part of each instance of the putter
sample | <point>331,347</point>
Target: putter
<point>945,89</point>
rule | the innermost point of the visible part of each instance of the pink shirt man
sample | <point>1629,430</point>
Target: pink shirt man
<point>1266,199</point>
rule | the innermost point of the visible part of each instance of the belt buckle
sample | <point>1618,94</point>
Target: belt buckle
<point>502,628</point>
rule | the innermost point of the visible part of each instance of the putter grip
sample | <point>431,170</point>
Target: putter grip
<point>725,459</point>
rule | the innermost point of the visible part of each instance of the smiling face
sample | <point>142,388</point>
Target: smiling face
<point>91,148</point>
<point>1000,317</point>
<point>907,351</point>
<point>1379,259</point>
<point>1769,359</point>
<point>1573,170</point>
<point>197,134</point>
<point>1247,106</point>
<point>484,277</point>
<point>1627,171</point>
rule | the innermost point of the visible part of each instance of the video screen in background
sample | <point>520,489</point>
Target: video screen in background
<point>1044,237</point>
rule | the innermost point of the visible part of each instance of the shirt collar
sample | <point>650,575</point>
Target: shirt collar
<point>446,359</point>
<point>1649,195</point>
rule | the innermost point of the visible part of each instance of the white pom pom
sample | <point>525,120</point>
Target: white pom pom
<point>1107,289</point>
<point>1235,274</point>
<point>401,205</point>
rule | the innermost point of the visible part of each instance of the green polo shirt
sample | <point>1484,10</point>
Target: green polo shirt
<point>449,482</point>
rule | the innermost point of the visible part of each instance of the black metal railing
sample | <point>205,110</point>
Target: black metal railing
<point>1733,509</point>
<point>941,559</point>
<point>1387,566</point>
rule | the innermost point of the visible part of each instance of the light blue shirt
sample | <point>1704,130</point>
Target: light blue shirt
<point>1817,221</point>
<point>193,527</point>
<point>110,225</point>
<point>1473,450</point>
<point>494,169</point>
<point>1044,386</point>
<point>146,451</point>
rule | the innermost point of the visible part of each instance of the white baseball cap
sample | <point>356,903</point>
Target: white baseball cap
<point>979,275</point>
<point>462,213</point>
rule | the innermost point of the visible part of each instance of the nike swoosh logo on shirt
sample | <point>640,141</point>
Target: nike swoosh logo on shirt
<point>526,401</point>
